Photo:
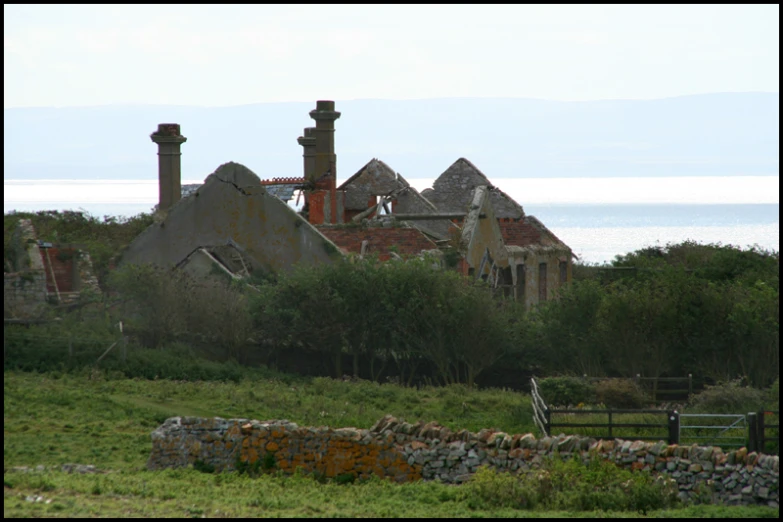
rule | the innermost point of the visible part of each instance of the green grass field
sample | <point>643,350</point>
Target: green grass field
<point>91,418</point>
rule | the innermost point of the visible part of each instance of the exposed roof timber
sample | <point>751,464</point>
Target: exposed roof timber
<point>439,215</point>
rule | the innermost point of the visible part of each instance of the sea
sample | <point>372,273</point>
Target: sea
<point>598,217</point>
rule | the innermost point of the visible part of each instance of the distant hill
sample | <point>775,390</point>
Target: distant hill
<point>712,134</point>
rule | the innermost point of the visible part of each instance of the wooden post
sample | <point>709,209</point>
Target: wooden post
<point>690,385</point>
<point>548,417</point>
<point>753,435</point>
<point>609,411</point>
<point>674,427</point>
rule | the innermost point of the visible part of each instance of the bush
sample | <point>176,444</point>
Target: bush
<point>601,485</point>
<point>773,396</point>
<point>162,306</point>
<point>570,486</point>
<point>488,489</point>
<point>566,391</point>
<point>619,393</point>
<point>728,397</point>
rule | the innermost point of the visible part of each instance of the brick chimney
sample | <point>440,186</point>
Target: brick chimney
<point>169,139</point>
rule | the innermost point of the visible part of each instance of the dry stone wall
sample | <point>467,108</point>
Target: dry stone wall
<point>406,452</point>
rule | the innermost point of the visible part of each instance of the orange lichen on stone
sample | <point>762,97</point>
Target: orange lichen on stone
<point>272,446</point>
<point>252,455</point>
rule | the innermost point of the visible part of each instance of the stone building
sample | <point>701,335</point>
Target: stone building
<point>238,223</point>
<point>497,240</point>
<point>42,272</point>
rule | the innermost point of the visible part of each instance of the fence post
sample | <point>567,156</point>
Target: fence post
<point>690,385</point>
<point>760,428</point>
<point>674,427</point>
<point>548,418</point>
<point>753,435</point>
<point>609,411</point>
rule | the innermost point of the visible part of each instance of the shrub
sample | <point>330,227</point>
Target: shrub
<point>566,391</point>
<point>489,489</point>
<point>571,486</point>
<point>728,397</point>
<point>619,393</point>
<point>773,395</point>
<point>203,467</point>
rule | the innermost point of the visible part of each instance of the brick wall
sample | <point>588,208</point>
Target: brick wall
<point>61,261</point>
<point>519,233</point>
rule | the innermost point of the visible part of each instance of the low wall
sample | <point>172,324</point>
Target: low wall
<point>407,452</point>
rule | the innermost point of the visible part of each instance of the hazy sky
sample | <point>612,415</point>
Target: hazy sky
<point>57,55</point>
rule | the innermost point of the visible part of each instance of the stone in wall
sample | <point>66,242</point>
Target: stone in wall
<point>427,451</point>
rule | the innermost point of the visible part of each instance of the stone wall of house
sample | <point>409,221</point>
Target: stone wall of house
<point>426,451</point>
<point>24,293</point>
<point>24,290</point>
<point>232,207</point>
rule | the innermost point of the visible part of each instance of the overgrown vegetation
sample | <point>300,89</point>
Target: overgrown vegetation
<point>104,238</point>
<point>571,486</point>
<point>687,308</point>
<point>406,316</point>
<point>709,310</point>
<point>190,493</point>
<point>102,418</point>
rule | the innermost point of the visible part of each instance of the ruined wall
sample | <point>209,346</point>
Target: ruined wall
<point>531,258</point>
<point>24,291</point>
<point>61,263</point>
<point>232,205</point>
<point>406,452</point>
<point>480,234</point>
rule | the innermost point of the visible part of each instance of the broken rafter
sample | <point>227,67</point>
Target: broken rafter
<point>440,215</point>
<point>383,202</point>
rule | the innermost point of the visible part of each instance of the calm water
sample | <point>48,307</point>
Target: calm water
<point>598,217</point>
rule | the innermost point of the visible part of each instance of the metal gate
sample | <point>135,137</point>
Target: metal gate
<point>713,429</point>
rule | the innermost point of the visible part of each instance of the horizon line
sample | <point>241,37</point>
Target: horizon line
<point>509,98</point>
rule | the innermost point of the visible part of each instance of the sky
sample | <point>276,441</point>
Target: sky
<point>227,55</point>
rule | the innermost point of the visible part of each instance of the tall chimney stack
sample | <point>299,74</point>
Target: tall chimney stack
<point>325,158</point>
<point>169,139</point>
<point>308,145</point>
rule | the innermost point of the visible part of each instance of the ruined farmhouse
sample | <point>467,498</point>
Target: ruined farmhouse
<point>237,223</point>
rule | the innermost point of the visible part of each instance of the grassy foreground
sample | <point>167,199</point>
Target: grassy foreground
<point>93,418</point>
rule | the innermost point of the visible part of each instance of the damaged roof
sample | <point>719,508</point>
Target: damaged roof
<point>453,190</point>
<point>380,240</point>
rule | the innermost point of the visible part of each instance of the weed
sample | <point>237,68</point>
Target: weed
<point>203,467</point>
<point>345,478</point>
